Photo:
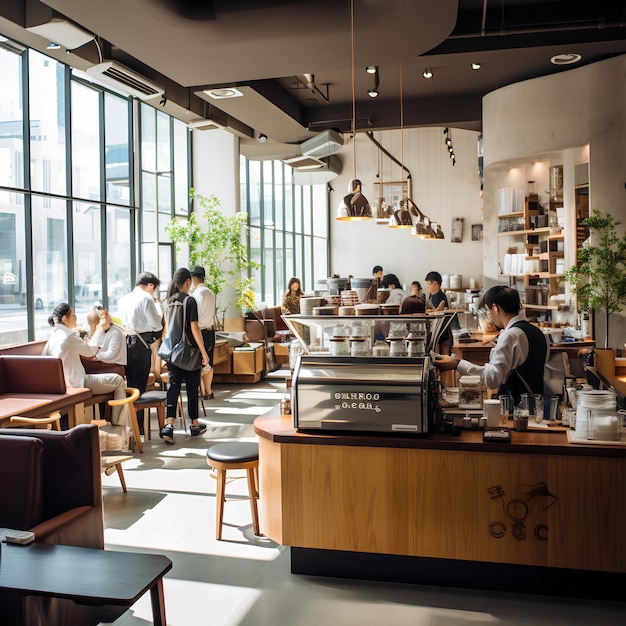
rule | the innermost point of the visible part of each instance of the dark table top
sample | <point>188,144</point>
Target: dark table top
<point>85,575</point>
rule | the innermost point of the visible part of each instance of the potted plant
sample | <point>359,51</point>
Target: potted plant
<point>599,277</point>
<point>218,245</point>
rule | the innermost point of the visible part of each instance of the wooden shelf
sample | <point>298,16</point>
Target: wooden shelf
<point>529,231</point>
<point>516,214</point>
<point>539,307</point>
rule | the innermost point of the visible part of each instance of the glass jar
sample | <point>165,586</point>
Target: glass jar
<point>295,350</point>
<point>397,346</point>
<point>340,346</point>
<point>360,346</point>
<point>380,348</point>
<point>470,392</point>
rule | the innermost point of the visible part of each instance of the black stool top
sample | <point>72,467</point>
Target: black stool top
<point>149,397</point>
<point>234,452</point>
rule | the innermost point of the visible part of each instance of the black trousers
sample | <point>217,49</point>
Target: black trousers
<point>192,382</point>
<point>139,359</point>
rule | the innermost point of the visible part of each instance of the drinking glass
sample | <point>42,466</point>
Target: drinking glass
<point>538,411</point>
<point>506,408</point>
<point>621,425</point>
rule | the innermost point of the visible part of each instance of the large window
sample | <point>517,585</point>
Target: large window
<point>75,226</point>
<point>288,228</point>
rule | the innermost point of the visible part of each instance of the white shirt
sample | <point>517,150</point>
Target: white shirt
<point>67,345</point>
<point>139,312</point>
<point>112,345</point>
<point>206,306</point>
<point>510,352</point>
<point>396,296</point>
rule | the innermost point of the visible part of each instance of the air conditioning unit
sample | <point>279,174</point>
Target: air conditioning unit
<point>323,144</point>
<point>208,124</point>
<point>117,75</point>
<point>330,169</point>
<point>303,162</point>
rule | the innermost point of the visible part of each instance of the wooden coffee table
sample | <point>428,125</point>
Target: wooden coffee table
<point>85,575</point>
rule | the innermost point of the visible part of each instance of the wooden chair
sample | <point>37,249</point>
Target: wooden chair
<point>111,462</point>
<point>154,399</point>
<point>231,456</point>
<point>54,419</point>
<point>131,396</point>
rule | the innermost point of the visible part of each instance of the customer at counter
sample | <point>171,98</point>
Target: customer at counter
<point>437,300</point>
<point>516,363</point>
<point>291,300</point>
<point>415,302</point>
<point>396,293</point>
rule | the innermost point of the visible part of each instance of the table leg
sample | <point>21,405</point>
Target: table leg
<point>76,414</point>
<point>158,603</point>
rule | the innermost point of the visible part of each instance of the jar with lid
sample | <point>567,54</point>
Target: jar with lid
<point>360,346</point>
<point>397,346</point>
<point>470,392</point>
<point>380,348</point>
<point>360,329</point>
<point>295,350</point>
<point>340,346</point>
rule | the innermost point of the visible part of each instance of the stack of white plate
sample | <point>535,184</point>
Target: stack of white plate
<point>307,304</point>
<point>602,404</point>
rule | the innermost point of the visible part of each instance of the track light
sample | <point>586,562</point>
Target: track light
<point>475,66</point>
<point>262,138</point>
<point>53,46</point>
<point>448,143</point>
<point>373,69</point>
<point>428,73</point>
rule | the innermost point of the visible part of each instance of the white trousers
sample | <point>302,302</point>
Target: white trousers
<point>107,383</point>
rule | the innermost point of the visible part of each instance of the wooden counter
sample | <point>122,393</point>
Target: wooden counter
<point>539,501</point>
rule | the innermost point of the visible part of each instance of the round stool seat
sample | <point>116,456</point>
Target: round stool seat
<point>150,397</point>
<point>234,452</point>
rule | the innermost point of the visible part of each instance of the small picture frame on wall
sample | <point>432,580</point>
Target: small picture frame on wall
<point>456,232</point>
<point>477,232</point>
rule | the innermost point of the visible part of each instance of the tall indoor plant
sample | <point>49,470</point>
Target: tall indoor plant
<point>599,277</point>
<point>216,241</point>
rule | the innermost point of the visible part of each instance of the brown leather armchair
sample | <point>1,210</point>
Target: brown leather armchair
<point>55,489</point>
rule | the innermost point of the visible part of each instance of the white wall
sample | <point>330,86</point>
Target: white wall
<point>216,171</point>
<point>440,190</point>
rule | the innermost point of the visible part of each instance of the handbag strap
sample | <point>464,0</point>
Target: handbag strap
<point>185,320</point>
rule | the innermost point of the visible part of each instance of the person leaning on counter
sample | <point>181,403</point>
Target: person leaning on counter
<point>517,361</point>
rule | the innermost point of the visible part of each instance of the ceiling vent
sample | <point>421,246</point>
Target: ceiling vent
<point>330,168</point>
<point>323,144</point>
<point>209,123</point>
<point>117,75</point>
<point>303,162</point>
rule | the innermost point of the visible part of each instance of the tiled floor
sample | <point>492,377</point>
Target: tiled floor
<point>245,580</point>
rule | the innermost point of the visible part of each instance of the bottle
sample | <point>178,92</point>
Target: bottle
<point>520,413</point>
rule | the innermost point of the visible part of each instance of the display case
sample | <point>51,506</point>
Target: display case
<point>406,335</point>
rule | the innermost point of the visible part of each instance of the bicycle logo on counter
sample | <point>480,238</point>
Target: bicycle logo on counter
<point>517,511</point>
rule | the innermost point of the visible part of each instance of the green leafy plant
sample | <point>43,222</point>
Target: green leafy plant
<point>600,274</point>
<point>218,245</point>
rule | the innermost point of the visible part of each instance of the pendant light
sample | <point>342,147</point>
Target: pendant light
<point>353,206</point>
<point>403,216</point>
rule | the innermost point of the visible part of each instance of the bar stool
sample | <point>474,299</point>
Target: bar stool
<point>151,400</point>
<point>231,456</point>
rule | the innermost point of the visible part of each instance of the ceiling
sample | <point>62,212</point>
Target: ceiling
<point>265,48</point>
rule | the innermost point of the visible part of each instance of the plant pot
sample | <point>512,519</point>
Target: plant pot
<point>604,361</point>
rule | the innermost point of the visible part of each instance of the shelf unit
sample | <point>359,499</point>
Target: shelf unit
<point>540,244</point>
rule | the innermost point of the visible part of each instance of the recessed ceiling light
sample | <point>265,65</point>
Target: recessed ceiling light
<point>428,73</point>
<point>566,58</point>
<point>224,92</point>
<point>475,66</point>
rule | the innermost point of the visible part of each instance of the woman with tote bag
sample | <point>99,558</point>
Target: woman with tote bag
<point>183,339</point>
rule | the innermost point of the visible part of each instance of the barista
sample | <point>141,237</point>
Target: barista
<point>516,364</point>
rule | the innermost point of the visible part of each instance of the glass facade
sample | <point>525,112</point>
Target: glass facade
<point>75,225</point>
<point>288,229</point>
